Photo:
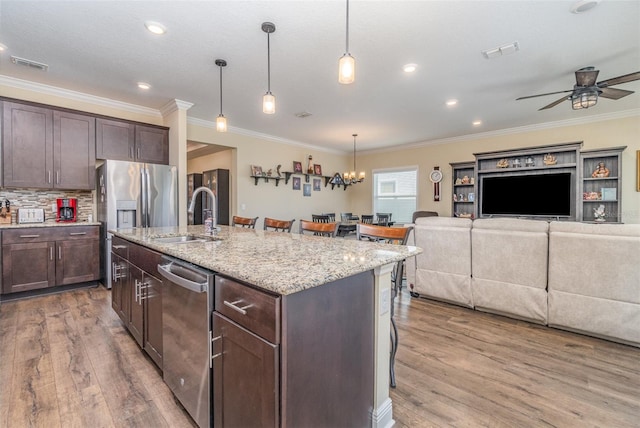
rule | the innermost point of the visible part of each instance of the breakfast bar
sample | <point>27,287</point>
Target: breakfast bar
<point>317,313</point>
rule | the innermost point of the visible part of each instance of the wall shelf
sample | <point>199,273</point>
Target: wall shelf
<point>266,179</point>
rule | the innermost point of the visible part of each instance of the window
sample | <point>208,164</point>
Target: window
<point>394,191</point>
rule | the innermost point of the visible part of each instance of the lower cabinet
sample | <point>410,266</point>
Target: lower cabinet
<point>245,377</point>
<point>41,257</point>
<point>137,296</point>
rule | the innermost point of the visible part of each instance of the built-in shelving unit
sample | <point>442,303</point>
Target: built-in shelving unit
<point>463,196</point>
<point>600,189</point>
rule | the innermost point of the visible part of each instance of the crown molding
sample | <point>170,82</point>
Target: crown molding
<point>174,105</point>
<point>76,96</point>
<point>510,131</point>
<point>253,134</point>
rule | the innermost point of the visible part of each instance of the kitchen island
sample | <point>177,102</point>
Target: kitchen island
<point>330,327</point>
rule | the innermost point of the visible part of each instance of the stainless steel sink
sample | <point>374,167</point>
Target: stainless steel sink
<point>185,239</point>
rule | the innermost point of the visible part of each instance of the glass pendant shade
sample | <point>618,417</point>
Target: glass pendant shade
<point>268,103</point>
<point>221,123</point>
<point>584,100</point>
<point>347,69</point>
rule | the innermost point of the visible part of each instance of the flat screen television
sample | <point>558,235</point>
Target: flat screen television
<point>541,195</point>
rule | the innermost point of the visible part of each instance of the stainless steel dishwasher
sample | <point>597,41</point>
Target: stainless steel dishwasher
<point>187,303</point>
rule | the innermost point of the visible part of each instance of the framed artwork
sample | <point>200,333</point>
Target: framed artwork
<point>297,167</point>
<point>306,190</point>
<point>317,169</point>
<point>296,183</point>
<point>256,170</point>
<point>316,184</point>
<point>638,171</point>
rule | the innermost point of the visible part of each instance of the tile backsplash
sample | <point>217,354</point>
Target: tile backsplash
<point>38,198</point>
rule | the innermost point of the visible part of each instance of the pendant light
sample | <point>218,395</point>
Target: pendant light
<point>268,100</point>
<point>221,121</point>
<point>347,64</point>
<point>350,177</point>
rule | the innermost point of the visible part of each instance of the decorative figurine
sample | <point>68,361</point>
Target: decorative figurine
<point>503,163</point>
<point>529,162</point>
<point>601,171</point>
<point>269,172</point>
<point>516,163</point>
<point>472,180</point>
<point>465,179</point>
<point>278,170</point>
<point>599,213</point>
<point>549,159</point>
<point>455,198</point>
<point>310,165</point>
<point>458,181</point>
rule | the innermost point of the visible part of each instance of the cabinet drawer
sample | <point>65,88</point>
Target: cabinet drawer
<point>77,232</point>
<point>42,234</point>
<point>255,310</point>
<point>120,247</point>
<point>145,259</point>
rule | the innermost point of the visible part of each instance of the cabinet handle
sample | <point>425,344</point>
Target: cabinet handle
<point>233,306</point>
<point>51,253</point>
<point>59,253</point>
<point>49,177</point>
<point>57,177</point>
<point>131,152</point>
<point>143,286</point>
<point>219,354</point>
<point>119,247</point>
<point>138,152</point>
<point>29,236</point>
<point>135,291</point>
<point>77,233</point>
<point>114,277</point>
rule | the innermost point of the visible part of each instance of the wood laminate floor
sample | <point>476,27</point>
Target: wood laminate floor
<point>66,361</point>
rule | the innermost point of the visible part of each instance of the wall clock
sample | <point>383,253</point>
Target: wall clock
<point>436,177</point>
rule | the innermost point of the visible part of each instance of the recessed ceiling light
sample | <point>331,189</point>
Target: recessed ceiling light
<point>409,68</point>
<point>155,27</point>
<point>143,85</point>
<point>2,47</point>
<point>451,103</point>
<point>476,123</point>
<point>583,5</point>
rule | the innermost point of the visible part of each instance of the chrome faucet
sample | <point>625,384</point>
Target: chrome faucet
<point>192,205</point>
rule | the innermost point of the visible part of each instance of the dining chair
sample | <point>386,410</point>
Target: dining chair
<point>417,214</point>
<point>319,229</point>
<point>366,218</point>
<point>244,222</point>
<point>320,218</point>
<point>278,225</point>
<point>383,219</point>
<point>389,235</point>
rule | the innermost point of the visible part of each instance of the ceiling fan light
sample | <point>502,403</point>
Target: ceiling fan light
<point>346,69</point>
<point>584,100</point>
<point>221,123</point>
<point>268,103</point>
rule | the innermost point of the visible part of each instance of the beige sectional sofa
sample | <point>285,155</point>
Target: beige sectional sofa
<point>575,276</point>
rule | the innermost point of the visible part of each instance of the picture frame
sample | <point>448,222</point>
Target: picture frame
<point>256,171</point>
<point>608,193</point>
<point>295,182</point>
<point>306,190</point>
<point>297,167</point>
<point>471,197</point>
<point>316,185</point>
<point>317,169</point>
<point>638,171</point>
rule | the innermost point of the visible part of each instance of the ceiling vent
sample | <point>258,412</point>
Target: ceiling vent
<point>28,63</point>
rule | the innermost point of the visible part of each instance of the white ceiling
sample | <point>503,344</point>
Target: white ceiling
<point>102,48</point>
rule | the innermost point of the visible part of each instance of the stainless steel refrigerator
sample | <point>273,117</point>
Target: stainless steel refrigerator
<point>133,194</point>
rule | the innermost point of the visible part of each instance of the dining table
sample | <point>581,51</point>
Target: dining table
<point>350,226</point>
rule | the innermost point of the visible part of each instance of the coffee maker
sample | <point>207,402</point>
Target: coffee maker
<point>67,209</point>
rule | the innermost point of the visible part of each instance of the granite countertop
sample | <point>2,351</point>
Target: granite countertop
<point>284,263</point>
<point>49,224</point>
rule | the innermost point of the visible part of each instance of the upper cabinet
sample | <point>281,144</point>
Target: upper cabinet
<point>47,148</point>
<point>120,140</point>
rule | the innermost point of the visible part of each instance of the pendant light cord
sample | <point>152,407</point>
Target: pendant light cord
<point>220,89</point>
<point>347,26</point>
<point>354,153</point>
<point>268,63</point>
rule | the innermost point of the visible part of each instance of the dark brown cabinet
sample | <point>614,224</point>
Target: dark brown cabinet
<point>34,258</point>
<point>47,148</point>
<point>127,141</point>
<point>245,377</point>
<point>137,294</point>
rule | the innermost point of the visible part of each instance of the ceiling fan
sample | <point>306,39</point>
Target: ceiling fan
<point>586,91</point>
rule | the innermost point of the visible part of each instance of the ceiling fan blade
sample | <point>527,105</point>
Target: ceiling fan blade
<point>614,94</point>
<point>553,104</point>
<point>620,79</point>
<point>542,95</point>
<point>586,76</point>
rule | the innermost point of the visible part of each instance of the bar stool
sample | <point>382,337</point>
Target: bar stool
<point>319,229</point>
<point>278,225</point>
<point>320,218</point>
<point>244,222</point>
<point>366,218</point>
<point>390,235</point>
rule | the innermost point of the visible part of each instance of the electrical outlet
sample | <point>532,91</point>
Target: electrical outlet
<point>385,301</point>
<point>243,207</point>
<point>54,208</point>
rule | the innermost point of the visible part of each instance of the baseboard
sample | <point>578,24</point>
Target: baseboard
<point>382,417</point>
